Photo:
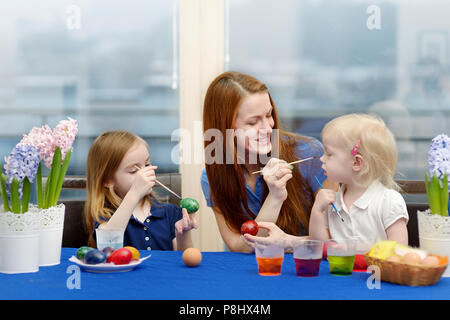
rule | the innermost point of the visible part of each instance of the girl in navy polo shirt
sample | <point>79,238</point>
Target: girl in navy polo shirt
<point>119,180</point>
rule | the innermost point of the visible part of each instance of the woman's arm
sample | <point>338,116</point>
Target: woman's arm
<point>275,234</point>
<point>268,213</point>
<point>270,209</point>
<point>276,174</point>
<point>232,239</point>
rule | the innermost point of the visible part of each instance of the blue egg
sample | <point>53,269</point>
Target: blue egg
<point>94,257</point>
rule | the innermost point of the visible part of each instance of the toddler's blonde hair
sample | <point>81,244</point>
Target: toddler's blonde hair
<point>377,146</point>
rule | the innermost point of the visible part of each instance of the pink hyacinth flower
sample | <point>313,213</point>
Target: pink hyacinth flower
<point>41,138</point>
<point>64,135</point>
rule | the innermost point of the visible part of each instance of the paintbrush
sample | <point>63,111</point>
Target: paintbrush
<point>162,185</point>
<point>298,161</point>
<point>332,204</point>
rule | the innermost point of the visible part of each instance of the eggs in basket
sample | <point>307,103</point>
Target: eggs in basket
<point>405,265</point>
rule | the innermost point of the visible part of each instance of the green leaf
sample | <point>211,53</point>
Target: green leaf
<point>26,193</point>
<point>53,177</point>
<point>444,196</point>
<point>435,195</point>
<point>47,191</point>
<point>15,198</point>
<point>4,193</point>
<point>62,174</point>
<point>40,199</point>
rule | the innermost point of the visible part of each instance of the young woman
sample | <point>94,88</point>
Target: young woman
<point>282,193</point>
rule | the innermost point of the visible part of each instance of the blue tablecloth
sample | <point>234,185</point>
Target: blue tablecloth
<point>221,276</point>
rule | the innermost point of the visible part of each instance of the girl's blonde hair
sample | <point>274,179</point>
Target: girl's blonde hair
<point>105,156</point>
<point>377,146</point>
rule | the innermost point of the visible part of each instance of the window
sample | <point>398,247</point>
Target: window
<point>321,59</point>
<point>109,64</point>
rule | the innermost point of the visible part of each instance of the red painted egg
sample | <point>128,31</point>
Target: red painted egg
<point>250,227</point>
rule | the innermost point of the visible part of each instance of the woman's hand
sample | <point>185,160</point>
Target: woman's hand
<point>186,223</point>
<point>144,181</point>
<point>275,235</point>
<point>324,198</point>
<point>276,174</point>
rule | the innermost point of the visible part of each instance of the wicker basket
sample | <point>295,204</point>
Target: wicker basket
<point>407,274</point>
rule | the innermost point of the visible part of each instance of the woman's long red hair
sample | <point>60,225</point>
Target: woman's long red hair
<point>227,181</point>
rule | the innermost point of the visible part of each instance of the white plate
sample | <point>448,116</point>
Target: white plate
<point>107,267</point>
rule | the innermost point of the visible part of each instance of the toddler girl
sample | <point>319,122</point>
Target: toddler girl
<point>360,153</point>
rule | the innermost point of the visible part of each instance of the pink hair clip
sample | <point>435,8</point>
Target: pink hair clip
<point>356,147</point>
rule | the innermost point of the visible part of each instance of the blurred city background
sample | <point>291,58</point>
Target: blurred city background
<point>116,67</point>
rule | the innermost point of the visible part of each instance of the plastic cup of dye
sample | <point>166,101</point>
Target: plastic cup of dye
<point>307,256</point>
<point>109,237</point>
<point>341,256</point>
<point>269,258</point>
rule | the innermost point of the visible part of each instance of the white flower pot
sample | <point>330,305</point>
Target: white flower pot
<point>434,234</point>
<point>19,241</point>
<point>52,224</point>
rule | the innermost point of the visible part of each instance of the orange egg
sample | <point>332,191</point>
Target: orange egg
<point>430,261</point>
<point>443,260</point>
<point>135,253</point>
<point>192,257</point>
<point>411,258</point>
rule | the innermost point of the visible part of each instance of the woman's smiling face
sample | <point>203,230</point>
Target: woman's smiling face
<point>254,123</point>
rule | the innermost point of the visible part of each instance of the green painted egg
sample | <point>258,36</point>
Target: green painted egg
<point>81,252</point>
<point>190,204</point>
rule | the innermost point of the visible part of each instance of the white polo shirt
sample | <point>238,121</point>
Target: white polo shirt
<point>369,216</point>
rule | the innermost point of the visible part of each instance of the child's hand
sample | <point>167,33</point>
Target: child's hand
<point>186,223</point>
<point>144,181</point>
<point>276,174</point>
<point>324,198</point>
<point>275,235</point>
